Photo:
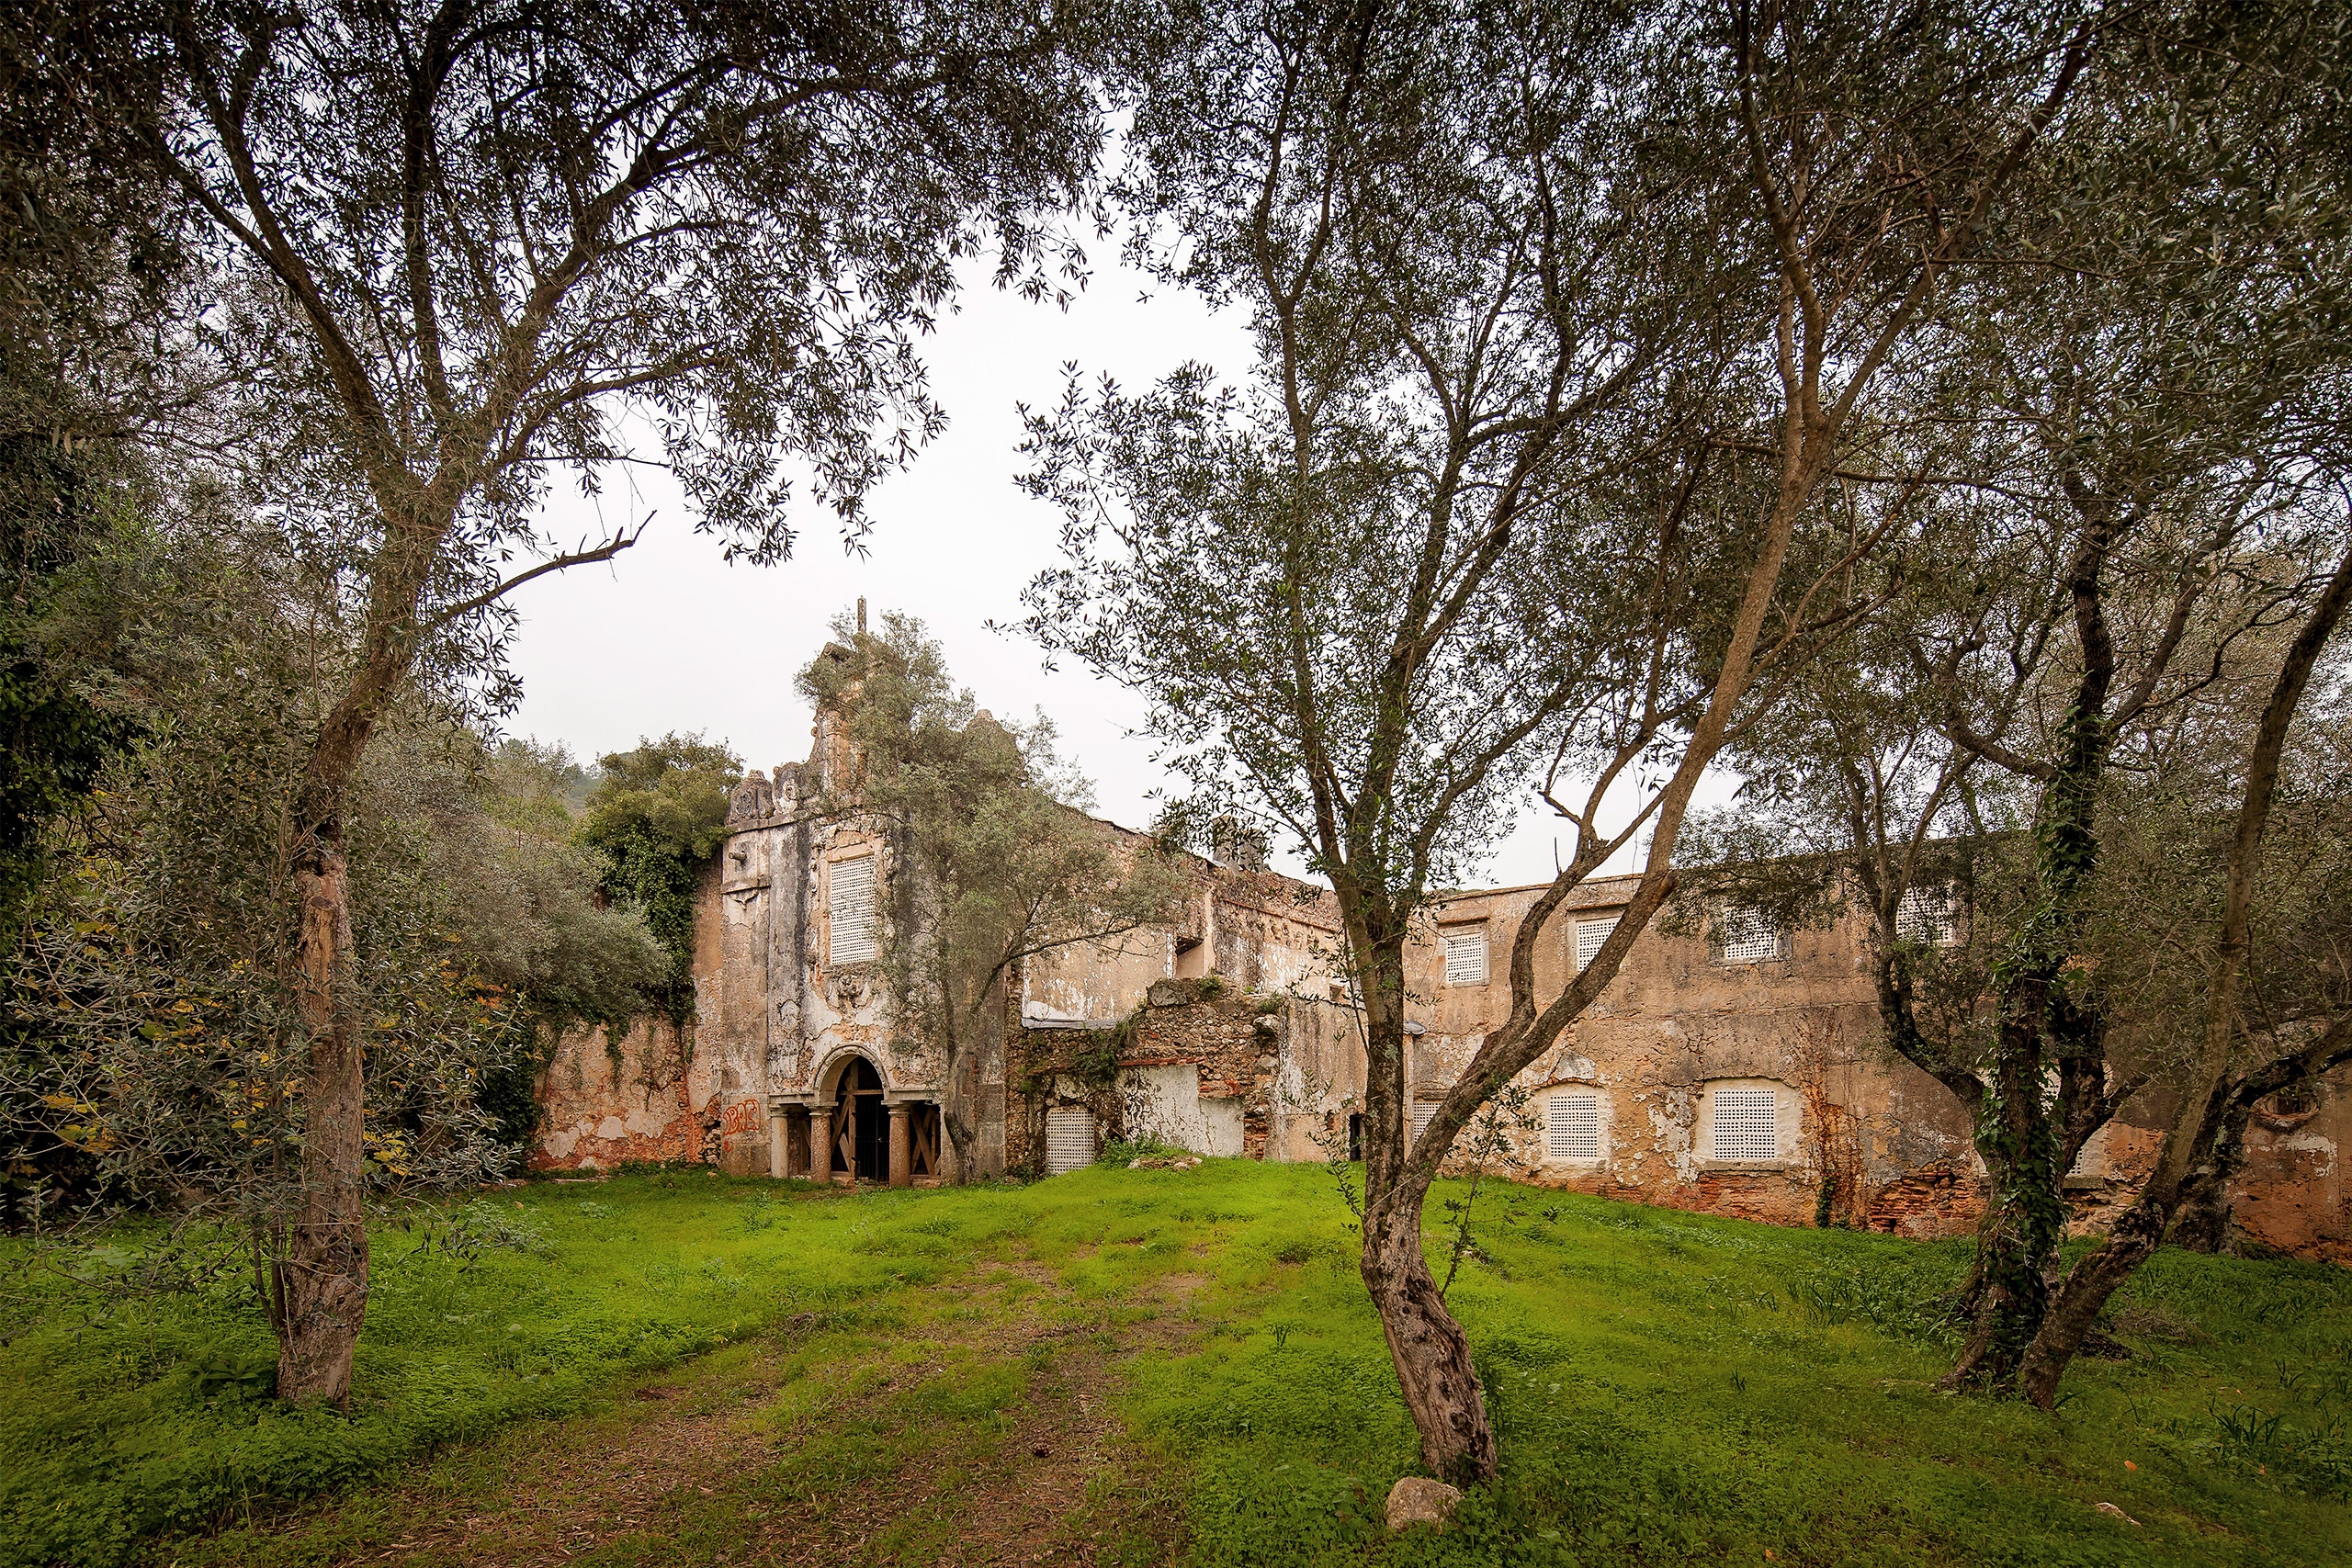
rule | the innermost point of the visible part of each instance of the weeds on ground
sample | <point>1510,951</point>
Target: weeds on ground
<point>1667,1387</point>
<point>1123,1152</point>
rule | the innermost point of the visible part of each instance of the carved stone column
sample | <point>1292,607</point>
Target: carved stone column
<point>820,1144</point>
<point>902,1164</point>
<point>795,1140</point>
<point>779,1144</point>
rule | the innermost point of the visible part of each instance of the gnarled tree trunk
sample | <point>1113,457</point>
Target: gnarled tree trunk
<point>2019,1147</point>
<point>2018,1138</point>
<point>1432,1353</point>
<point>324,1274</point>
<point>2202,1222</point>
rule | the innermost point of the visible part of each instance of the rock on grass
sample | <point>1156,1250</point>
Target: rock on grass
<point>1416,1500</point>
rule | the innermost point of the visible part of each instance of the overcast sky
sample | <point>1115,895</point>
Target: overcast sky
<point>669,636</point>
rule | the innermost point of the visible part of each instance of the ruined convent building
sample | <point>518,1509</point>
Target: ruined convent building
<point>1735,1072</point>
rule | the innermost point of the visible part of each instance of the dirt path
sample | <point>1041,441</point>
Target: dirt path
<point>978,1429</point>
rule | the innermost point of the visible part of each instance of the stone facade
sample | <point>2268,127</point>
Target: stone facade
<point>792,1065</point>
<point>1732,1081</point>
<point>1678,1037</point>
<point>1682,1032</point>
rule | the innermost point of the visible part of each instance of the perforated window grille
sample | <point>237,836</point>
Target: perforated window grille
<point>1927,915</point>
<point>1747,1124</point>
<point>1069,1140</point>
<point>1465,957</point>
<point>1748,936</point>
<point>851,911</point>
<point>1572,1125</point>
<point>1591,934</point>
<point>1422,1110</point>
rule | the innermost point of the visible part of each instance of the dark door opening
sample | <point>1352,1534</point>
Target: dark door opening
<point>861,1125</point>
<point>1355,1137</point>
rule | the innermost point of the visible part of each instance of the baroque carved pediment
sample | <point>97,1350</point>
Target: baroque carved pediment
<point>753,800</point>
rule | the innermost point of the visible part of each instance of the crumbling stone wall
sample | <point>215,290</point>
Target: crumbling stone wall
<point>2290,1195</point>
<point>661,1093</point>
<point>1199,1066</point>
<point>1677,1022</point>
<point>603,1104</point>
<point>1676,1029</point>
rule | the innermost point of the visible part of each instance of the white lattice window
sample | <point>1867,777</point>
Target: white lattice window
<point>1748,936</point>
<point>1069,1139</point>
<point>1746,1123</point>
<point>1929,915</point>
<point>1591,934</point>
<point>1572,1125</point>
<point>1422,1110</point>
<point>851,911</point>
<point>1465,955</point>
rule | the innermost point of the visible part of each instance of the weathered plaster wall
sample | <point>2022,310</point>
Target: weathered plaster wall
<point>1164,1104</point>
<point>600,1107</point>
<point>1674,1027</point>
<point>2291,1194</point>
<point>1194,1071</point>
<point>1256,931</point>
<point>660,1096</point>
<point>1675,1024</point>
<point>1097,981</point>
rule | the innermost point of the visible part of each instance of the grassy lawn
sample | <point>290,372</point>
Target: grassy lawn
<point>1134,1366</point>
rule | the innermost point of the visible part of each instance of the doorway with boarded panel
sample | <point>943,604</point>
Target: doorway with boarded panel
<point>922,1143</point>
<point>861,1126</point>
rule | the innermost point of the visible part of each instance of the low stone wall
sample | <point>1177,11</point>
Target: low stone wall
<point>1940,1199</point>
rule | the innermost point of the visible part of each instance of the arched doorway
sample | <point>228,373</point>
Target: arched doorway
<point>861,1127</point>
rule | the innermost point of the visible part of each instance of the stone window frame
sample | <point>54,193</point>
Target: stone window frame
<point>1928,913</point>
<point>1462,930</point>
<point>870,851</point>
<point>1788,1125</point>
<point>1746,917</point>
<point>1603,1109</point>
<point>1606,926</point>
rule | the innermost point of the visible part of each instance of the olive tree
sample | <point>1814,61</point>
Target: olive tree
<point>1564,316</point>
<point>2122,439</point>
<point>2243,1051</point>
<point>2150,404</point>
<point>454,246</point>
<point>152,1051</point>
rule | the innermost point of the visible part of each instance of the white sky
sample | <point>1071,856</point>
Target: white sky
<point>668,636</point>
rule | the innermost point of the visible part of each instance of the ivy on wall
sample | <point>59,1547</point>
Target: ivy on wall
<point>656,817</point>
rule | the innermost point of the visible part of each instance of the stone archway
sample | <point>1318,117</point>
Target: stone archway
<point>862,1127</point>
<point>857,1125</point>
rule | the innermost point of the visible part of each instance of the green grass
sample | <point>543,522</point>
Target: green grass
<point>1667,1387</point>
